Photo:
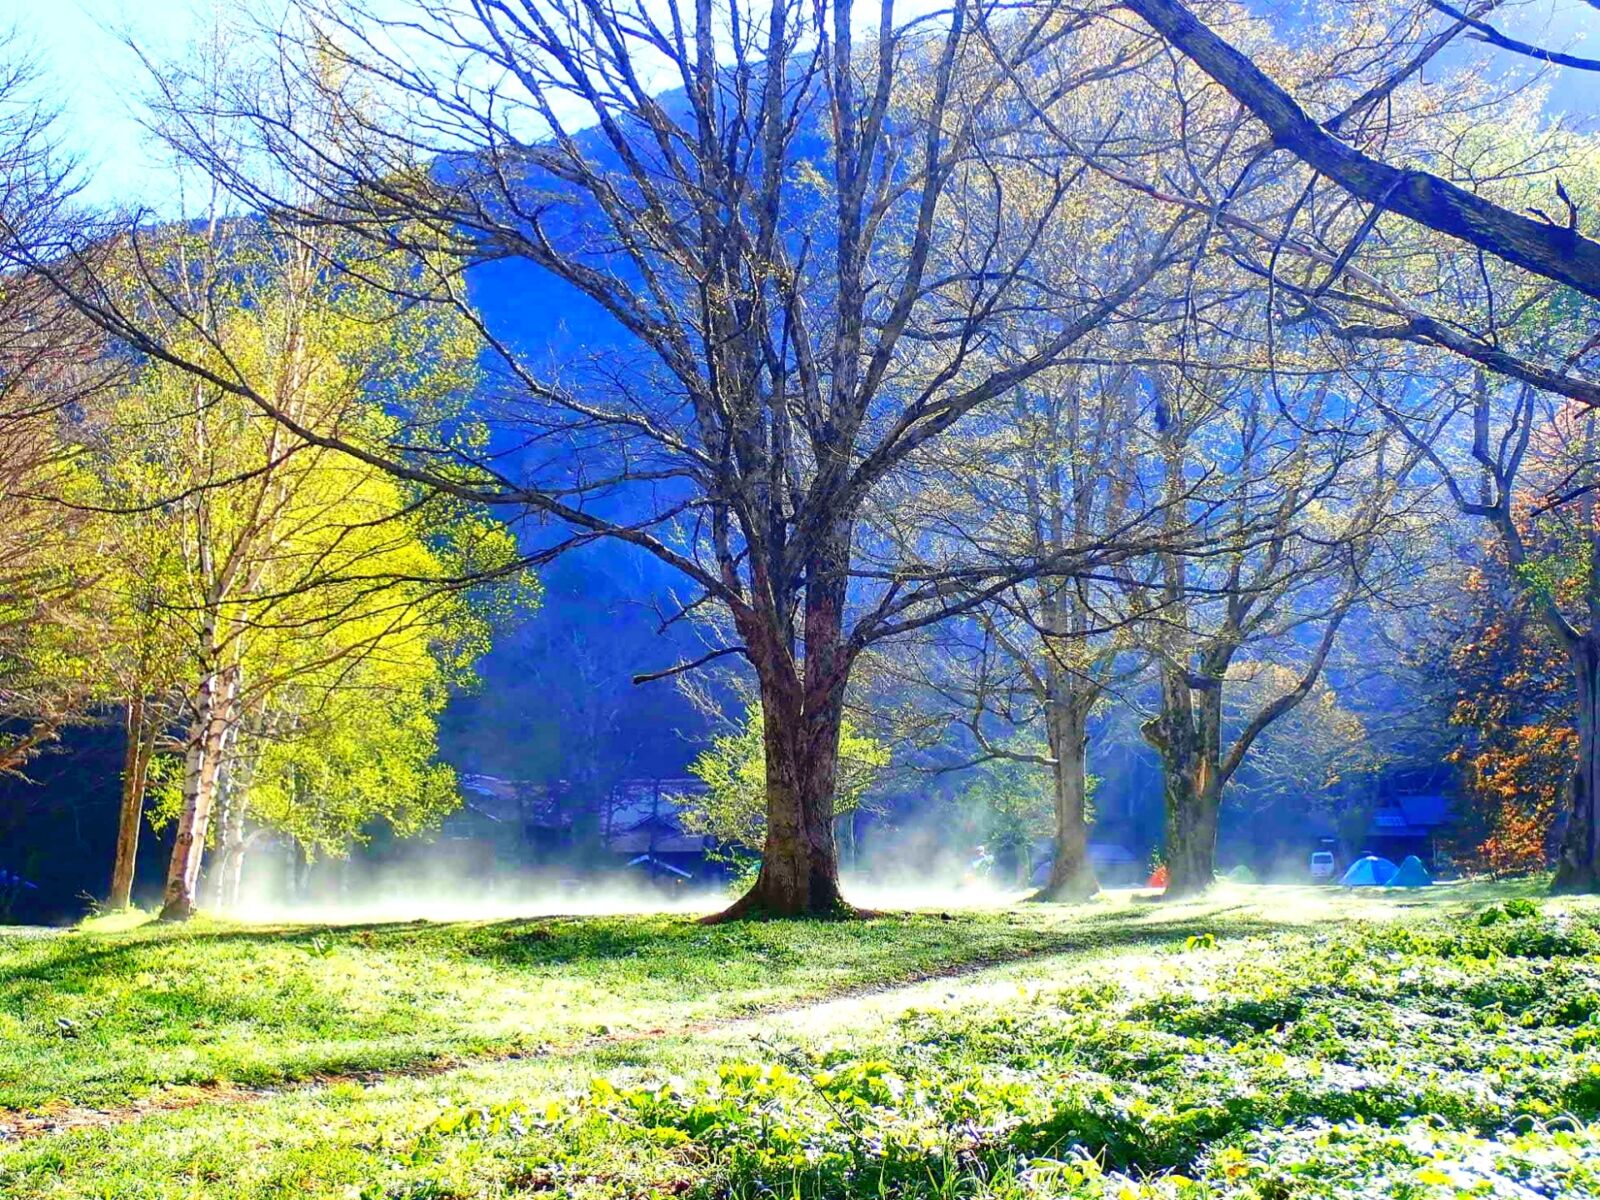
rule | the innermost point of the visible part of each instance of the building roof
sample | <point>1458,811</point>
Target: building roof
<point>513,801</point>
<point>634,806</point>
<point>659,841</point>
<point>635,800</point>
<point>1415,816</point>
<point>652,863</point>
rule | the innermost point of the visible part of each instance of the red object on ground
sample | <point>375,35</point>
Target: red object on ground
<point>1158,877</point>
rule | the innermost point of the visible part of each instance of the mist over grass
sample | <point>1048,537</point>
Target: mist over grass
<point>104,1018</point>
<point>925,867</point>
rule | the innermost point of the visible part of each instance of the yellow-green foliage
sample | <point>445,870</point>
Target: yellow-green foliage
<point>341,595</point>
<point>734,770</point>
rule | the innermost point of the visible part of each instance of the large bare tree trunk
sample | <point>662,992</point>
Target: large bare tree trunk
<point>135,774</point>
<point>1578,864</point>
<point>803,708</point>
<point>1192,806</point>
<point>1071,874</point>
<point>799,866</point>
<point>1187,735</point>
<point>202,764</point>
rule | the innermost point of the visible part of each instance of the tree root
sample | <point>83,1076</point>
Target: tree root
<point>752,906</point>
<point>1077,890</point>
<point>174,911</point>
<point>1571,881</point>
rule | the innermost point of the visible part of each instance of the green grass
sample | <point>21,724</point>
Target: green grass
<point>1255,1044</point>
<point>1450,1058</point>
<point>97,1019</point>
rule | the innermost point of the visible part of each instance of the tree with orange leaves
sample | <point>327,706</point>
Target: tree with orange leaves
<point>1510,698</point>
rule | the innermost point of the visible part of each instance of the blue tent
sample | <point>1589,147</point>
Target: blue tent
<point>1411,873</point>
<point>1370,871</point>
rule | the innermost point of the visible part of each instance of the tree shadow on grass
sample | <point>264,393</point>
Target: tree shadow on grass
<point>659,946</point>
<point>735,967</point>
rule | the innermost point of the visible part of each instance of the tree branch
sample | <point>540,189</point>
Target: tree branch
<point>1557,253</point>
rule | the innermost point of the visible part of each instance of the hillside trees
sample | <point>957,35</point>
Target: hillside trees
<point>1509,692</point>
<point>1524,462</point>
<point>1509,437</point>
<point>1479,247</point>
<point>801,259</point>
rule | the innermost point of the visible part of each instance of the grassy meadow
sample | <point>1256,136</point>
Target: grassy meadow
<point>1264,1043</point>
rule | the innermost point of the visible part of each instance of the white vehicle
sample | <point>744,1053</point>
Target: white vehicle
<point>1321,866</point>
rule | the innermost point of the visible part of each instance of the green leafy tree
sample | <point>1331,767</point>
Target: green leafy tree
<point>1011,803</point>
<point>292,574</point>
<point>733,809</point>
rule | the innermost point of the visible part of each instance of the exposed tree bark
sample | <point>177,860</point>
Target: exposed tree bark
<point>799,867</point>
<point>229,836</point>
<point>141,735</point>
<point>1187,734</point>
<point>202,765</point>
<point>1556,252</point>
<point>1426,331</point>
<point>803,709</point>
<point>1193,806</point>
<point>1071,873</point>
<point>1488,33</point>
<point>1578,862</point>
<point>844,835</point>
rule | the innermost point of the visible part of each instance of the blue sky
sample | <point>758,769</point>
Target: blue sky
<point>96,82</point>
<point>93,79</point>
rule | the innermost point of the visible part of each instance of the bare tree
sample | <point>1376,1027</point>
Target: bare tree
<point>801,247</point>
<point>1508,287</point>
<point>1328,492</point>
<point>1059,470</point>
<point>44,381</point>
<point>1528,465</point>
<point>1358,267</point>
<point>1557,250</point>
